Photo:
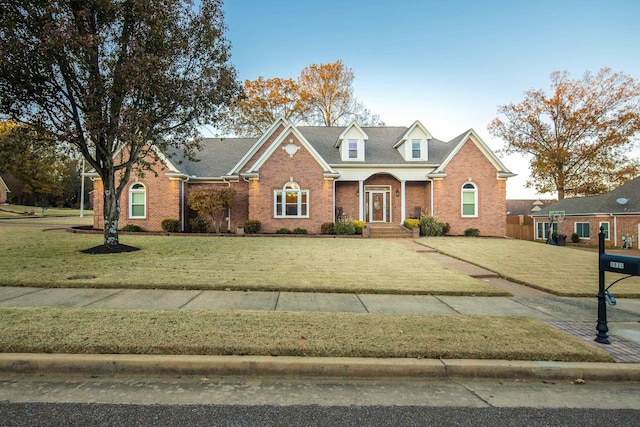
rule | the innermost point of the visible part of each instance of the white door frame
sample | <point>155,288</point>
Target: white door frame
<point>384,204</point>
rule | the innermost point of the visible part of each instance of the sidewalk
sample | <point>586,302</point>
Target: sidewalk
<point>574,316</point>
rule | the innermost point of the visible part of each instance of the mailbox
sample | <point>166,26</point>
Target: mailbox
<point>620,264</point>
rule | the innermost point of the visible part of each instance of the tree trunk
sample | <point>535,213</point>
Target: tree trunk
<point>111,212</point>
<point>216,223</point>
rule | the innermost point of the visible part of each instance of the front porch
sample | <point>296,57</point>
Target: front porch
<point>382,199</point>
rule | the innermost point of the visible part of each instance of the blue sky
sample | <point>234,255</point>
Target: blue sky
<point>449,64</point>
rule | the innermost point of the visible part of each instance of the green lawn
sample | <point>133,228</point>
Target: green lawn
<point>18,211</point>
<point>32,257</point>
<point>53,330</point>
<point>561,270</point>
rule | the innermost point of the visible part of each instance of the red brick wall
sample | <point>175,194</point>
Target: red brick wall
<point>469,162</point>
<point>347,198</point>
<point>162,197</point>
<point>626,225</point>
<point>275,173</point>
<point>418,194</point>
<point>239,212</point>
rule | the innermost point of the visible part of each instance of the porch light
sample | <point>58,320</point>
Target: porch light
<point>397,193</point>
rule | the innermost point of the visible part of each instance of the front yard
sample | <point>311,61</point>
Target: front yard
<point>33,257</point>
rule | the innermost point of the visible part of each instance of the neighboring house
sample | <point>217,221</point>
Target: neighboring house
<point>617,211</point>
<point>304,176</point>
<point>526,207</point>
<point>519,221</point>
<point>4,191</point>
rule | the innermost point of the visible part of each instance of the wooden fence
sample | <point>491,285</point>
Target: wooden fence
<point>520,227</point>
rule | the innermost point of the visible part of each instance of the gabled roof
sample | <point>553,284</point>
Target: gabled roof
<point>227,157</point>
<point>4,185</point>
<point>624,200</point>
<point>344,133</point>
<point>526,206</point>
<point>290,129</point>
<point>459,142</point>
<point>409,131</point>
<point>217,157</point>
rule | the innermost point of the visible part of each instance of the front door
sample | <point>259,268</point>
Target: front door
<point>378,206</point>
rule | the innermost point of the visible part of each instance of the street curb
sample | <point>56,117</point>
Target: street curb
<point>312,367</point>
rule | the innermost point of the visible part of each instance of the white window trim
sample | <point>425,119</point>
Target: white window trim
<point>546,227</point>
<point>608,236</point>
<point>475,200</point>
<point>280,211</point>
<point>575,229</point>
<point>344,150</point>
<point>135,191</point>
<point>407,149</point>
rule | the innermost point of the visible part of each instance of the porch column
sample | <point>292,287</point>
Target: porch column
<point>361,200</point>
<point>403,203</point>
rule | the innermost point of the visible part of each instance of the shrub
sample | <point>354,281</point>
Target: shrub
<point>252,226</point>
<point>283,231</point>
<point>445,228</point>
<point>345,227</point>
<point>170,225</point>
<point>199,225</point>
<point>412,223</point>
<point>472,232</point>
<point>359,225</point>
<point>575,238</point>
<point>431,226</point>
<point>299,230</point>
<point>132,228</point>
<point>327,228</point>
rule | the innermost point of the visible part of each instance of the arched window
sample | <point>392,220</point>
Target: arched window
<point>291,201</point>
<point>469,200</point>
<point>137,201</point>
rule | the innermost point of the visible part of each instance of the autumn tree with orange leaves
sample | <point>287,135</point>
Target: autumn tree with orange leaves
<point>578,137</point>
<point>322,95</point>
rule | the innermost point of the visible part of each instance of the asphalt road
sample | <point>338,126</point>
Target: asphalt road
<point>80,400</point>
<point>54,414</point>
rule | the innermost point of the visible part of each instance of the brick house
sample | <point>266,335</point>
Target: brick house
<point>617,211</point>
<point>303,176</point>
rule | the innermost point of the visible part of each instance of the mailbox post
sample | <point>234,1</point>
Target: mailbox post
<point>617,264</point>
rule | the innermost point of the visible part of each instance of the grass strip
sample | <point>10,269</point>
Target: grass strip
<point>561,270</point>
<point>32,257</point>
<point>92,331</point>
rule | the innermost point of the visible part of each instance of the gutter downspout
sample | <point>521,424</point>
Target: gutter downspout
<point>229,212</point>
<point>432,212</point>
<point>615,230</point>
<point>182,207</point>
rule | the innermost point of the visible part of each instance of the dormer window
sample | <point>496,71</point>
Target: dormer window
<point>416,149</point>
<point>351,144</point>
<point>353,149</point>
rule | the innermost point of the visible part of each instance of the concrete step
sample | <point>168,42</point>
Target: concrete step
<point>388,231</point>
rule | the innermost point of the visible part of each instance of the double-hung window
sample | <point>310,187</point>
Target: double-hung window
<point>605,229</point>
<point>291,201</point>
<point>469,200</point>
<point>137,201</point>
<point>416,151</point>
<point>582,228</point>
<point>353,149</point>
